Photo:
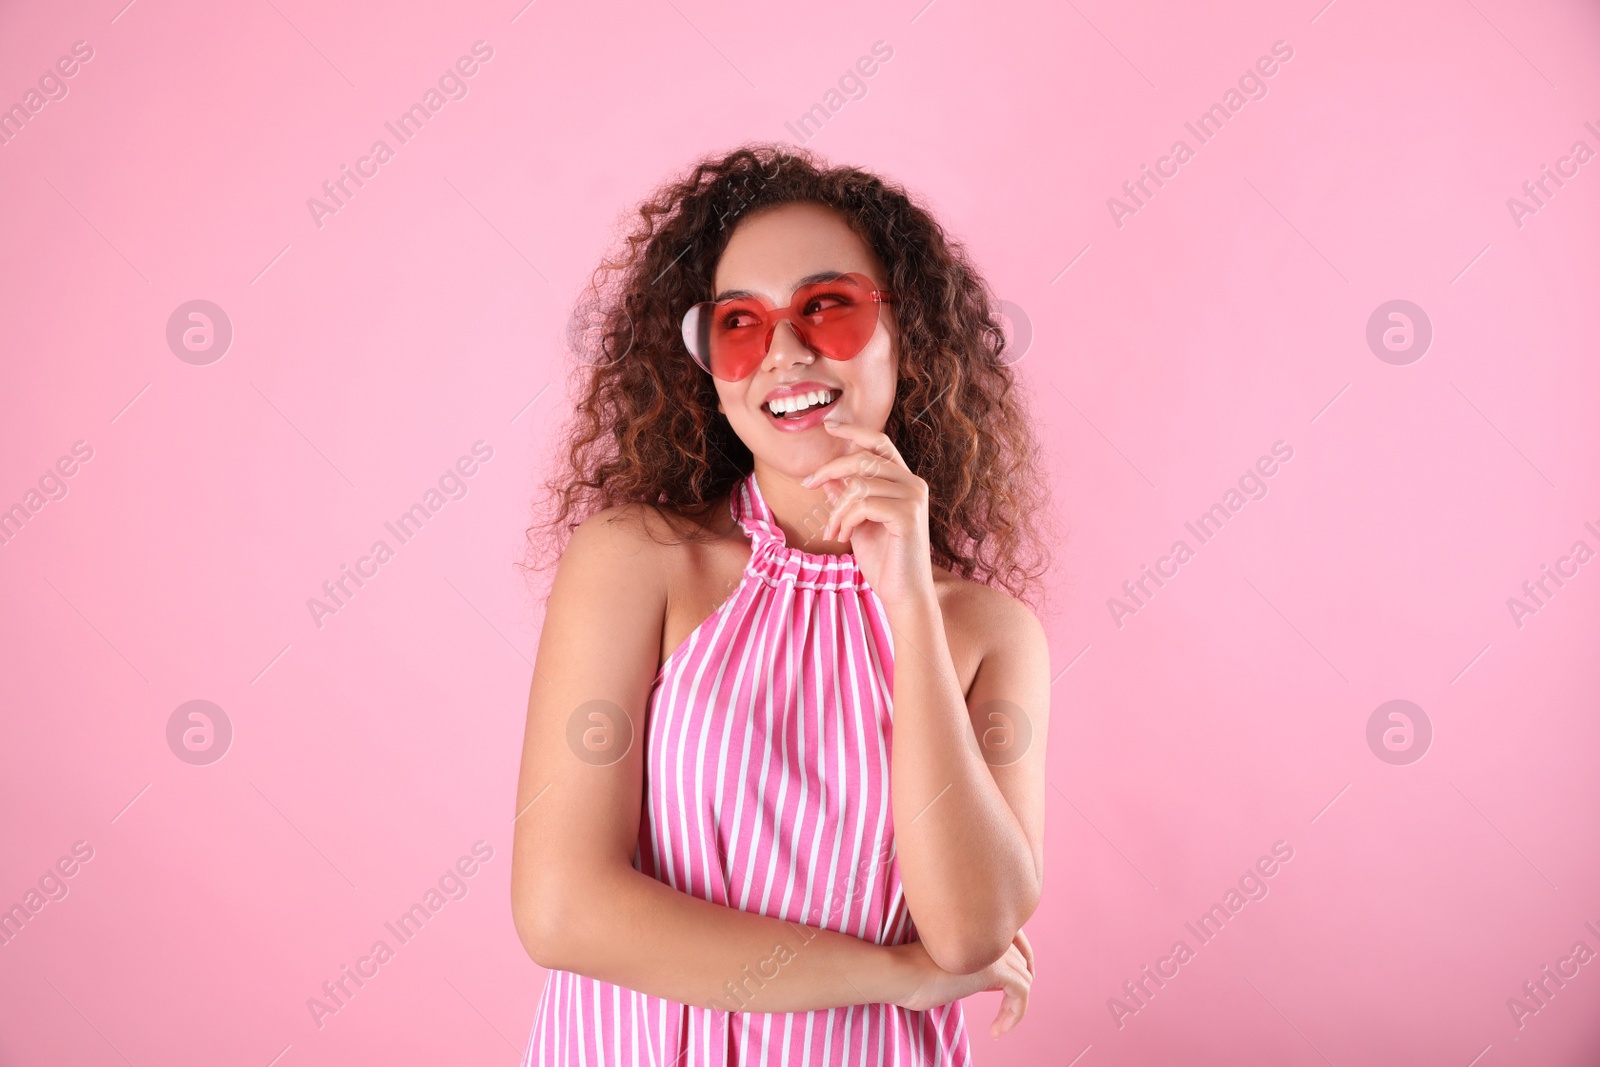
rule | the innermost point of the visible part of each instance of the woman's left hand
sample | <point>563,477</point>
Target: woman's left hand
<point>881,508</point>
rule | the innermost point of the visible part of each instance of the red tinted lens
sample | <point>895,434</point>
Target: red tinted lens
<point>739,330</point>
<point>727,339</point>
<point>836,318</point>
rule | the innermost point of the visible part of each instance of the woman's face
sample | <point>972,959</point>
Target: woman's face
<point>770,254</point>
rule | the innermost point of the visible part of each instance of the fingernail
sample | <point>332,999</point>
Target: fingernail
<point>807,479</point>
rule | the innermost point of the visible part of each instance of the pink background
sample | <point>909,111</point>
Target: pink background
<point>1168,354</point>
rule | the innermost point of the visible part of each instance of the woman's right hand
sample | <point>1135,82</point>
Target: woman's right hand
<point>932,986</point>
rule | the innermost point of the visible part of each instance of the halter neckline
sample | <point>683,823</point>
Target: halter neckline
<point>772,557</point>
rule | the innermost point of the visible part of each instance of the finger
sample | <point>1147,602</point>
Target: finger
<point>859,464</point>
<point>1002,1017</point>
<point>1020,993</point>
<point>853,486</point>
<point>1013,1005</point>
<point>871,449</point>
<point>858,493</point>
<point>1006,973</point>
<point>1026,946</point>
<point>1019,962</point>
<point>1020,1007</point>
<point>881,506</point>
<point>863,437</point>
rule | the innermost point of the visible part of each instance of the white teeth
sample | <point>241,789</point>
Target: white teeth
<point>784,405</point>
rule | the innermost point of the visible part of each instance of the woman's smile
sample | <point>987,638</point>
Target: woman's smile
<point>800,406</point>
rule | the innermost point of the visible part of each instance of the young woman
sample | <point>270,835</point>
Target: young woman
<point>796,443</point>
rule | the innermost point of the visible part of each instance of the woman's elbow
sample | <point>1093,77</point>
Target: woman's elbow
<point>967,947</point>
<point>543,924</point>
<point>965,951</point>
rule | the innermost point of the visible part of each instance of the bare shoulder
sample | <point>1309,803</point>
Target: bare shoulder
<point>602,622</point>
<point>674,566</point>
<point>619,526</point>
<point>624,536</point>
<point>981,620</point>
<point>984,607</point>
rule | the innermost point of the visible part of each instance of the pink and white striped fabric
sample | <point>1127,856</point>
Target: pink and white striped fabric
<point>767,789</point>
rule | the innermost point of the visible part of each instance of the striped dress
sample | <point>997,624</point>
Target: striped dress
<point>766,789</point>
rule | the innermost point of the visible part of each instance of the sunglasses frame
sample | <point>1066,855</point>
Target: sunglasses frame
<point>772,316</point>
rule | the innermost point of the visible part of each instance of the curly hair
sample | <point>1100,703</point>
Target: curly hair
<point>646,429</point>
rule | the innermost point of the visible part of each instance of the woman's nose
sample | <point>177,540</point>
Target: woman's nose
<point>787,347</point>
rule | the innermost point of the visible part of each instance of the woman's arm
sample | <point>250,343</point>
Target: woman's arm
<point>969,817</point>
<point>966,774</point>
<point>578,903</point>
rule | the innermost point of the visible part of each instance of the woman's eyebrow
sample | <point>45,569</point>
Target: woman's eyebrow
<point>820,276</point>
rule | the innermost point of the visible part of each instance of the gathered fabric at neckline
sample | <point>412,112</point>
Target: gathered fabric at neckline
<point>771,556</point>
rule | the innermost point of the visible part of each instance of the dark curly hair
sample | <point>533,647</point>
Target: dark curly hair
<point>646,427</point>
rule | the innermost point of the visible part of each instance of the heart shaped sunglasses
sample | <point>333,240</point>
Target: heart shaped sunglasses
<point>836,317</point>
